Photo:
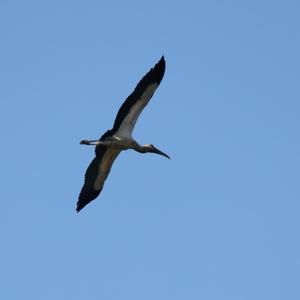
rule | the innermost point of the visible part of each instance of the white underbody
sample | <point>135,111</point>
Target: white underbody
<point>122,139</point>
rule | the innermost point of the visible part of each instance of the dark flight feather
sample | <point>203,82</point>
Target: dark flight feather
<point>88,193</point>
<point>155,75</point>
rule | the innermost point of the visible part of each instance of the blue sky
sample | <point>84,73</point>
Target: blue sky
<point>220,220</point>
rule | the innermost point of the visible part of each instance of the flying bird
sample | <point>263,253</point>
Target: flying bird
<point>119,138</point>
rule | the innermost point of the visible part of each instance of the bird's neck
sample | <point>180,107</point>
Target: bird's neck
<point>139,148</point>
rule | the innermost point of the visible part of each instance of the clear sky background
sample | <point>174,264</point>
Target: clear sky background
<point>220,220</point>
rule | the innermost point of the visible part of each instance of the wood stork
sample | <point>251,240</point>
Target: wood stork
<point>119,137</point>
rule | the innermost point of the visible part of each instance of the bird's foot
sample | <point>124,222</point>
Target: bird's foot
<point>88,142</point>
<point>85,142</point>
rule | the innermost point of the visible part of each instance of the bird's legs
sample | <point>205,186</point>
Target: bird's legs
<point>87,142</point>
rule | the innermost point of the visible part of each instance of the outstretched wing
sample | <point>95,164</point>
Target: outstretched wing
<point>139,98</point>
<point>96,175</point>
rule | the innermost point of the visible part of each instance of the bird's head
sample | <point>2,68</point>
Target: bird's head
<point>150,148</point>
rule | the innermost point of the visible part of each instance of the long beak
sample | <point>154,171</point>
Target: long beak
<point>157,151</point>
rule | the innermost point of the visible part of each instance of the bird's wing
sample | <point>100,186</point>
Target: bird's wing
<point>96,175</point>
<point>134,104</point>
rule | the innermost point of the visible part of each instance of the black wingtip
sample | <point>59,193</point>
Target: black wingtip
<point>87,193</point>
<point>81,205</point>
<point>161,62</point>
<point>158,71</point>
<point>79,208</point>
